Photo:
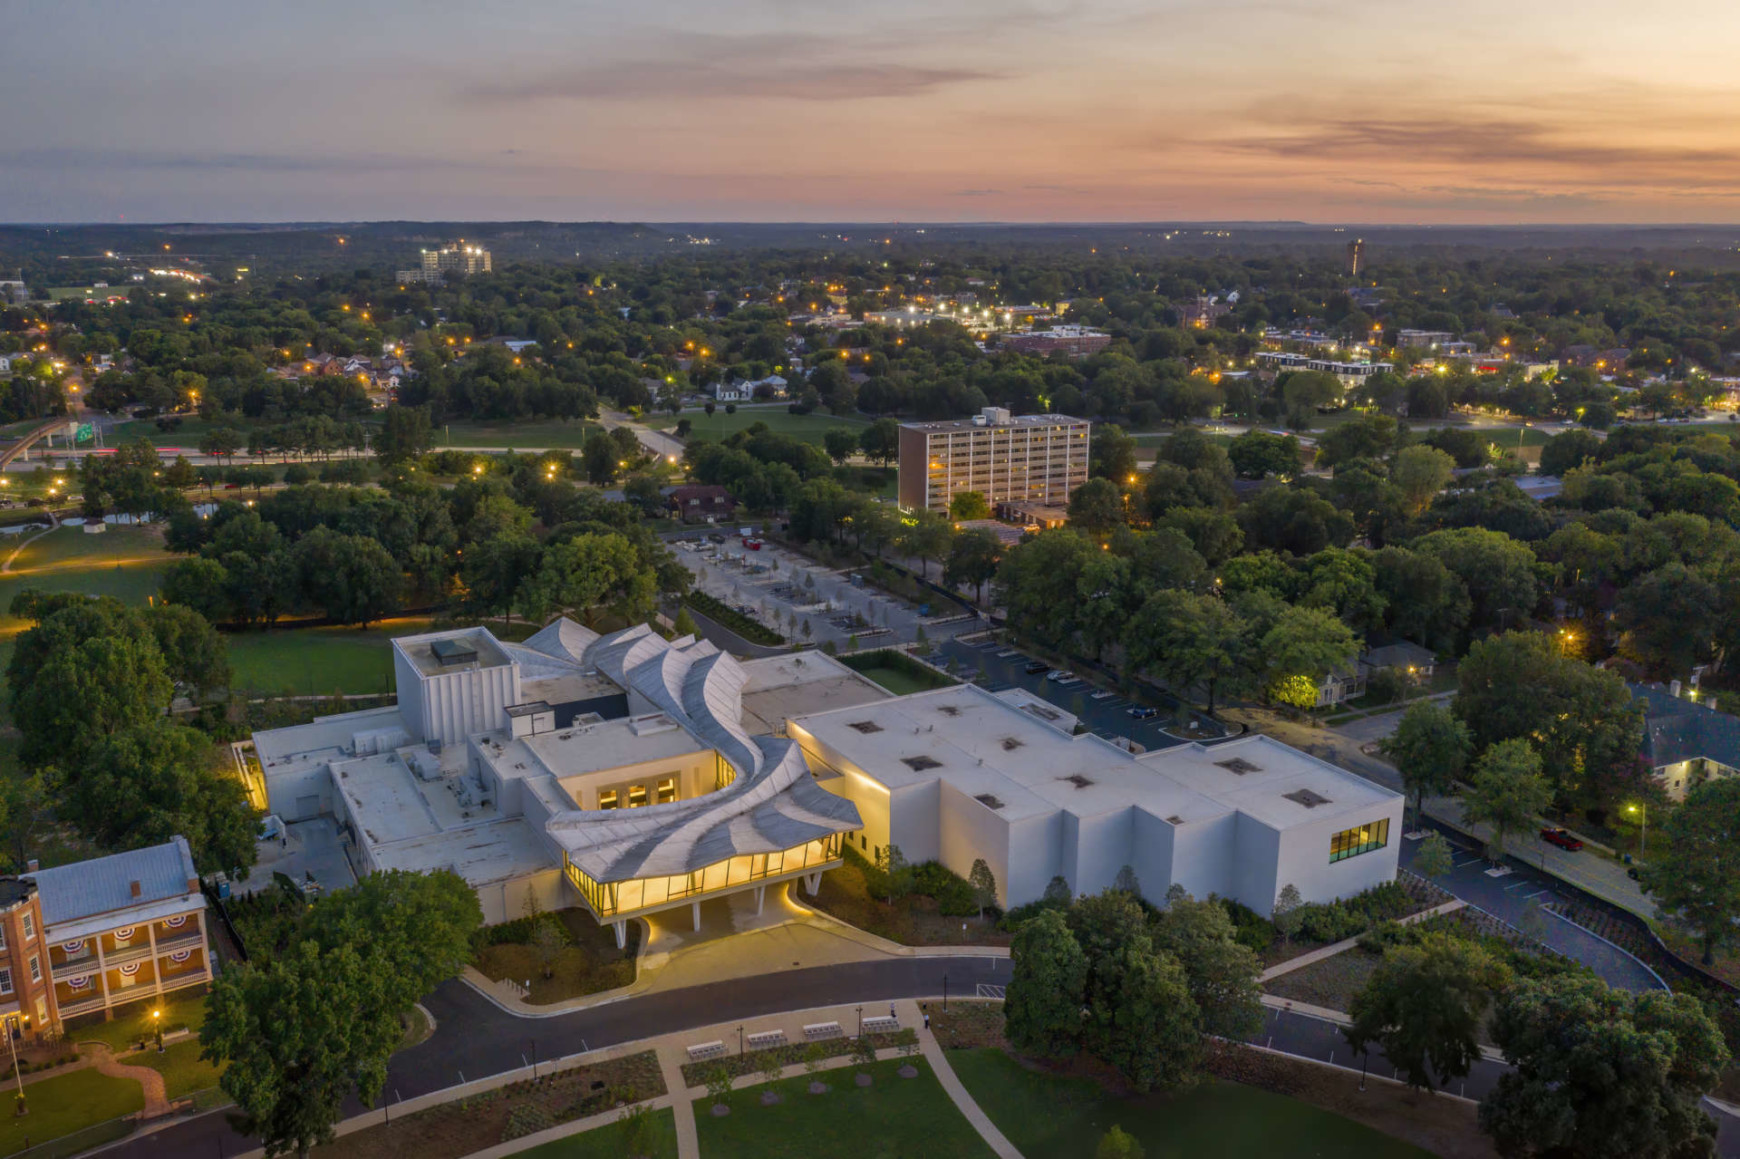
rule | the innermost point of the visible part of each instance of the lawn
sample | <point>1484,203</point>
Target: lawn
<point>607,1142</point>
<point>66,1103</point>
<point>183,1070</point>
<point>899,683</point>
<point>893,1118</point>
<point>809,428</point>
<point>556,433</point>
<point>124,562</point>
<point>318,661</point>
<point>1055,1116</point>
<point>128,1028</point>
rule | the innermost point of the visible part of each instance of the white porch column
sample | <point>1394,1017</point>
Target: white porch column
<point>102,974</point>
<point>156,967</point>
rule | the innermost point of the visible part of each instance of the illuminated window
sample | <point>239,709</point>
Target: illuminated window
<point>636,796</point>
<point>607,799</point>
<point>667,790</point>
<point>1360,839</point>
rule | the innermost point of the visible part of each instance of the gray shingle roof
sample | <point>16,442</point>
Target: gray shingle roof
<point>102,884</point>
<point>1676,730</point>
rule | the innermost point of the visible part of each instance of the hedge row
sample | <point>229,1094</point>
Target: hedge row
<point>727,616</point>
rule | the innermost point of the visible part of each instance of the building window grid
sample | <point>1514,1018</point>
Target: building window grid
<point>1360,839</point>
<point>5,979</point>
<point>608,898</point>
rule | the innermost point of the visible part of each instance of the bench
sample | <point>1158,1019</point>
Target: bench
<point>705,1050</point>
<point>767,1038</point>
<point>816,1031</point>
<point>881,1024</point>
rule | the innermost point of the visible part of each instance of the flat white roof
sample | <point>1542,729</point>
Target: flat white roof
<point>985,746</point>
<point>497,851</point>
<point>793,684</point>
<point>323,732</point>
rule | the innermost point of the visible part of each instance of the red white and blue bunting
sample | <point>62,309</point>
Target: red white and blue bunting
<point>82,982</point>
<point>176,922</point>
<point>73,946</point>
<point>125,935</point>
<point>180,956</point>
<point>130,969</point>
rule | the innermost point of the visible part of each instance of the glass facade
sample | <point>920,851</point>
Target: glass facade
<point>1360,839</point>
<point>614,898</point>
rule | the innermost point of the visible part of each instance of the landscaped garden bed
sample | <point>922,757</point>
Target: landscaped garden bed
<point>855,894</point>
<point>730,618</point>
<point>588,963</point>
<point>758,1061</point>
<point>459,1128</point>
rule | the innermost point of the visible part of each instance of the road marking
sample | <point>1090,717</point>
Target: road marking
<point>1537,893</point>
<point>986,990</point>
<point>1468,861</point>
<point>1518,885</point>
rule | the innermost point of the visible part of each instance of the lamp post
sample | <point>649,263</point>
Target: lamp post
<point>17,1071</point>
<point>860,1022</point>
<point>157,1028</point>
<point>1642,811</point>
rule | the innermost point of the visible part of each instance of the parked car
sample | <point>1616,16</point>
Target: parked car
<point>1035,667</point>
<point>1144,712</point>
<point>1562,839</point>
<point>1060,675</point>
<point>752,544</point>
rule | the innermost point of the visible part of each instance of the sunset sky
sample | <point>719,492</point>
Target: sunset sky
<point>946,110</point>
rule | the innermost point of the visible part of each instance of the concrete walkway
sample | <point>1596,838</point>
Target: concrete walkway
<point>671,1067</point>
<point>151,1081</point>
<point>945,1074</point>
<point>1304,960</point>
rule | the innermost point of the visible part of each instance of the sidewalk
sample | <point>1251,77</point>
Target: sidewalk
<point>1588,870</point>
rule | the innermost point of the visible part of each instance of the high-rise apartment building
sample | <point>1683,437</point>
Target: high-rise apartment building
<point>1038,459</point>
<point>453,259</point>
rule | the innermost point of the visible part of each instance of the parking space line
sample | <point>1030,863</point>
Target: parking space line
<point>1538,893</point>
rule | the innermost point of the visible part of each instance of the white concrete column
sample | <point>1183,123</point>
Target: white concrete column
<point>760,896</point>
<point>812,882</point>
<point>621,928</point>
<point>695,907</point>
<point>156,966</point>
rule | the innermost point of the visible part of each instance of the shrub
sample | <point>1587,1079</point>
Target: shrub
<point>297,474</point>
<point>954,897</point>
<point>1338,920</point>
<point>1250,928</point>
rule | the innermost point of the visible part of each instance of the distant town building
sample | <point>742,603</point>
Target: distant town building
<point>1429,338</point>
<point>1349,374</point>
<point>700,501</point>
<point>1074,341</point>
<point>454,259</point>
<point>1030,458</point>
<point>1205,311</point>
<point>1684,742</point>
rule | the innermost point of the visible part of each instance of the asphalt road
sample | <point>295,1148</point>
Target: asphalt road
<point>1516,898</point>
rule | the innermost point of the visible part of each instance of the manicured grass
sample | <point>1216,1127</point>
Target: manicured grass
<point>608,1142</point>
<point>317,661</point>
<point>892,1117</point>
<point>568,435</point>
<point>66,1103</point>
<point>129,1026</point>
<point>1064,1118</point>
<point>809,428</point>
<point>183,1070</point>
<point>125,562</point>
<point>898,683</point>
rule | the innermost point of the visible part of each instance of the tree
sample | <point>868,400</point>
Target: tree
<point>1563,452</point>
<point>925,536</point>
<point>965,505</point>
<point>1696,872</point>
<point>1582,720</point>
<point>299,1034</point>
<point>1112,453</point>
<point>1668,619</point>
<point>1255,454</point>
<point>1295,520</point>
<point>1048,978</point>
<point>352,578</point>
<point>984,885</point>
<point>880,441</point>
<point>896,872</point>
<point>1602,1072</point>
<point>1116,1143</point>
<point>1421,472</point>
<point>198,583</point>
<point>405,433</point>
<point>1507,791</point>
<point>84,691</point>
<point>1303,647</point>
<point>600,458</point>
<point>1429,749</point>
<point>146,783</point>
<point>1424,1005</point>
<point>587,573</point>
<point>1221,972</point>
<point>1497,571</point>
<point>684,624</point>
<point>1096,507</point>
<point>549,939</point>
<point>194,655</point>
<point>1285,914</point>
<point>1189,641</point>
<point>1146,1025</point>
<point>973,558</point>
<point>1435,857</point>
<point>841,443</point>
<point>415,928</point>
<point>1057,891</point>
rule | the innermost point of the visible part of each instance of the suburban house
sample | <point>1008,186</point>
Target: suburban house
<point>707,502</point>
<point>1409,659</point>
<point>1686,742</point>
<point>1341,685</point>
<point>731,390</point>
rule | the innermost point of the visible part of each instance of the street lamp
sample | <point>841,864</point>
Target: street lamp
<point>17,1071</point>
<point>157,1028</point>
<point>1642,812</point>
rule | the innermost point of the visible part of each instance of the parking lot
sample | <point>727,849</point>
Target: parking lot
<point>782,589</point>
<point>1105,713</point>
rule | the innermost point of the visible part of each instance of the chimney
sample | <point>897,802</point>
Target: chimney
<point>134,889</point>
<point>193,885</point>
<point>32,865</point>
